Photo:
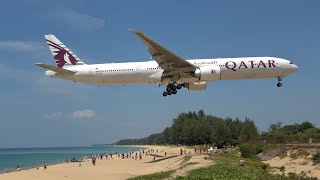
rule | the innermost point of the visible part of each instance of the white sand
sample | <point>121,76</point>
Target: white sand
<point>297,165</point>
<point>116,168</point>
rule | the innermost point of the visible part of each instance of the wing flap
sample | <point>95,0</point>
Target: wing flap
<point>55,69</point>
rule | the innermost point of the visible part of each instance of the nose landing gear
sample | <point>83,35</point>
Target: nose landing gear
<point>279,82</point>
<point>172,89</point>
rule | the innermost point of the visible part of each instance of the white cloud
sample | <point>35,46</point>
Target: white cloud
<point>21,46</point>
<point>78,20</point>
<point>53,115</point>
<point>82,114</point>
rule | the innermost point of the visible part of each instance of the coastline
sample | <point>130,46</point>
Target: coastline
<point>116,168</point>
<point>25,165</point>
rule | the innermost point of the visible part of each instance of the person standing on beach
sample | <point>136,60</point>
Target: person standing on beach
<point>44,165</point>
<point>18,168</point>
<point>93,160</point>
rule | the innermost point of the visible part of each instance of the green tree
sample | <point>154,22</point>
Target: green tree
<point>248,130</point>
<point>306,125</point>
<point>220,134</point>
<point>275,127</point>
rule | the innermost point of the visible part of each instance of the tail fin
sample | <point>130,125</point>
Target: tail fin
<point>62,55</point>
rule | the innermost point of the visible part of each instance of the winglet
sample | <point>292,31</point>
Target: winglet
<point>146,40</point>
<point>138,33</point>
<point>132,30</point>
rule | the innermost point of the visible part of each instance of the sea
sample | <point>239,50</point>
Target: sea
<point>26,158</point>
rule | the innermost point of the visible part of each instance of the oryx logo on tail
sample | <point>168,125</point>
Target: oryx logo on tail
<point>62,55</point>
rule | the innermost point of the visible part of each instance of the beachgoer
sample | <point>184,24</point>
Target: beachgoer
<point>181,151</point>
<point>44,165</point>
<point>204,148</point>
<point>165,154</point>
<point>241,162</point>
<point>18,168</point>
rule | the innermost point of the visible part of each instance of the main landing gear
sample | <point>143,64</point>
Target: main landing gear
<point>172,89</point>
<point>279,82</point>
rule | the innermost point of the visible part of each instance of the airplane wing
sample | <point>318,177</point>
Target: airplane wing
<point>56,69</point>
<point>166,59</point>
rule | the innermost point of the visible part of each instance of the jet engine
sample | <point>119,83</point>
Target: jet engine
<point>208,73</point>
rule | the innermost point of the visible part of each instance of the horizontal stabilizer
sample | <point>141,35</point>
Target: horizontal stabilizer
<point>55,69</point>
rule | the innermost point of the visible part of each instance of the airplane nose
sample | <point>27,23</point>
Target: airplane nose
<point>294,67</point>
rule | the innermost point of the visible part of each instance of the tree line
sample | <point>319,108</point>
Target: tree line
<point>199,128</point>
<point>294,133</point>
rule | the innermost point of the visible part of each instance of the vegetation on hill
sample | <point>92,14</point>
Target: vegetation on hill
<point>199,128</point>
<point>296,133</point>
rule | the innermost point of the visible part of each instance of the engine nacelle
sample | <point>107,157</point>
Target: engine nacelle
<point>208,73</point>
<point>196,86</point>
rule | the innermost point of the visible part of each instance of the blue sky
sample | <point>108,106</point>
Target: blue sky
<point>39,111</point>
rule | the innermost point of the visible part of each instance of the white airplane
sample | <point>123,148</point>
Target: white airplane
<point>166,68</point>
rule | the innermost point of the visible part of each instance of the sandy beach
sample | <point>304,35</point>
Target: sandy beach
<point>116,168</point>
<point>296,165</point>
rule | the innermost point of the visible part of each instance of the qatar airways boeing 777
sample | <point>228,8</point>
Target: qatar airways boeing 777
<point>165,68</point>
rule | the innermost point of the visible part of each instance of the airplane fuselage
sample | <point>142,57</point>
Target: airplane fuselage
<point>149,72</point>
<point>165,67</point>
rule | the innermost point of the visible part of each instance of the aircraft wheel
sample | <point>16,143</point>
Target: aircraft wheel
<point>169,93</point>
<point>174,91</point>
<point>279,84</point>
<point>164,94</point>
<point>169,87</point>
<point>174,87</point>
<point>179,86</point>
